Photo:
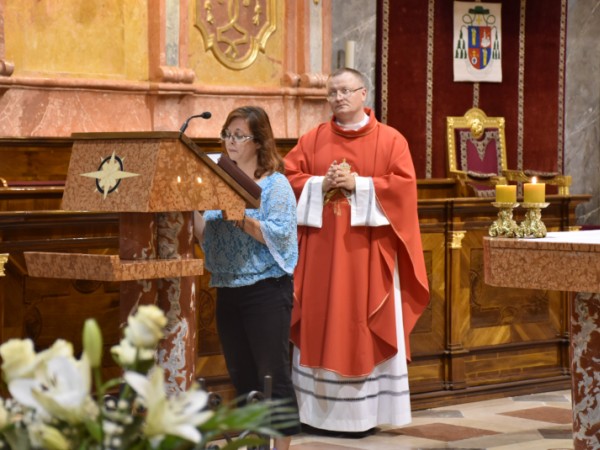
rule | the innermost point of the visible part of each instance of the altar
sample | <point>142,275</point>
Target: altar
<point>568,261</point>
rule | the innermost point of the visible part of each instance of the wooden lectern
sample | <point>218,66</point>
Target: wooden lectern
<point>154,181</point>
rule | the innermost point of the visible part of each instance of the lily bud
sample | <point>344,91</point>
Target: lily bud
<point>92,342</point>
<point>52,439</point>
<point>4,416</point>
<point>145,328</point>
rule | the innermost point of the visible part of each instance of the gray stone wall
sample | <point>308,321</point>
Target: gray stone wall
<point>355,20</point>
<point>582,106</point>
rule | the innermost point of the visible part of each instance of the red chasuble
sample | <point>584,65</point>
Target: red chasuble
<point>343,318</point>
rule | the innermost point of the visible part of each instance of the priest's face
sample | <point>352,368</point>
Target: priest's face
<point>346,95</point>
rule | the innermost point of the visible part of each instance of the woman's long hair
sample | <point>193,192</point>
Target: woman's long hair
<point>268,158</point>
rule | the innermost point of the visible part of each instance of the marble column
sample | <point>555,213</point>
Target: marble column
<point>177,352</point>
<point>585,370</point>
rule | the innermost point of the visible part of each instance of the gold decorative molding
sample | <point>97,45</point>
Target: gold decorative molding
<point>236,30</point>
<point>3,261</point>
<point>456,239</point>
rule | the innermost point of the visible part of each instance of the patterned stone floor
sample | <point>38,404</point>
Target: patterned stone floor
<point>532,422</point>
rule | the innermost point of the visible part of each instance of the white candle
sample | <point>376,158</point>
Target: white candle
<point>350,54</point>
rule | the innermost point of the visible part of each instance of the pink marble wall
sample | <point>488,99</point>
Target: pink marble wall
<point>91,72</point>
<point>28,108</point>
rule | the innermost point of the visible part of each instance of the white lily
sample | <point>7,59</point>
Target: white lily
<point>21,361</point>
<point>59,348</point>
<point>18,359</point>
<point>125,353</point>
<point>179,415</point>
<point>62,391</point>
<point>52,406</point>
<point>145,328</point>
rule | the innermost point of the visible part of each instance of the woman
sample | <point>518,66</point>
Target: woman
<point>251,262</point>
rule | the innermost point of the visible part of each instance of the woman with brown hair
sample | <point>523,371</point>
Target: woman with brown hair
<point>251,262</point>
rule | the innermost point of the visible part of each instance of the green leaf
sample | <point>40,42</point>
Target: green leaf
<point>17,438</point>
<point>95,430</point>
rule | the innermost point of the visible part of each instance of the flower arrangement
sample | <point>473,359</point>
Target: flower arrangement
<point>59,402</point>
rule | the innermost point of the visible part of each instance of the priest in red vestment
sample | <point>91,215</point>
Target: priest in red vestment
<point>360,283</point>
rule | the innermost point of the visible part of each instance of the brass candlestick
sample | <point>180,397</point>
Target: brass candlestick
<point>532,225</point>
<point>504,225</point>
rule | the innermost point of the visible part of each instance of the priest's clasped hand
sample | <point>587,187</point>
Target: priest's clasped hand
<point>338,176</point>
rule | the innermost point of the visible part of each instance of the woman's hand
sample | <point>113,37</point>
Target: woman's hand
<point>199,224</point>
<point>252,227</point>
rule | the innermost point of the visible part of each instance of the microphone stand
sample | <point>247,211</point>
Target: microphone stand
<point>204,115</point>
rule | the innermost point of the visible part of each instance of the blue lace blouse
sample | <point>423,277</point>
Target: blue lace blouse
<point>234,258</point>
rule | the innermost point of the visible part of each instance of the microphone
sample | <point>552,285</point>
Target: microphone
<point>204,115</point>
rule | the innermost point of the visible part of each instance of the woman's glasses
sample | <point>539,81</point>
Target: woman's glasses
<point>237,138</point>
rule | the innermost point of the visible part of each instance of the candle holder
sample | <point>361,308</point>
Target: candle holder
<point>504,225</point>
<point>532,225</point>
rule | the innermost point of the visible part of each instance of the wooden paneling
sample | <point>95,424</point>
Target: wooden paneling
<point>31,159</point>
<point>47,309</point>
<point>498,341</point>
<point>30,198</point>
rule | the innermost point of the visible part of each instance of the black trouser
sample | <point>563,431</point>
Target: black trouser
<point>254,328</point>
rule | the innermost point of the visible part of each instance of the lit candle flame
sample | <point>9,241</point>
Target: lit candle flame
<point>199,179</point>
<point>178,179</point>
<point>533,180</point>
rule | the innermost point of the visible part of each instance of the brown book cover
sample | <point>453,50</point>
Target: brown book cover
<point>229,166</point>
